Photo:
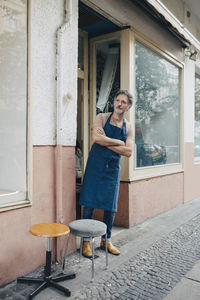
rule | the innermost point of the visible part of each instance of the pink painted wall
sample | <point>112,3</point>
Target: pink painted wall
<point>150,197</point>
<point>140,200</point>
<point>191,174</point>
<point>122,215</point>
<point>20,251</point>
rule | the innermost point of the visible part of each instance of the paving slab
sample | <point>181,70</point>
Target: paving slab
<point>194,273</point>
<point>185,290</point>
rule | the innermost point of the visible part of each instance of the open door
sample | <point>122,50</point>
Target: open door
<point>111,69</point>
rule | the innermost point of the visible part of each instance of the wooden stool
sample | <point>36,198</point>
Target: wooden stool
<point>48,230</point>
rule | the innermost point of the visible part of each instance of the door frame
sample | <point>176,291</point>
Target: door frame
<point>83,74</point>
<point>127,82</point>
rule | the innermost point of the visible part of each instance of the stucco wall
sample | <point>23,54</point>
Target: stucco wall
<point>46,17</point>
<point>130,15</point>
<point>191,174</point>
<point>20,251</point>
<point>147,198</point>
<point>189,98</point>
<point>180,9</point>
<point>150,197</point>
<point>191,168</point>
<point>17,244</point>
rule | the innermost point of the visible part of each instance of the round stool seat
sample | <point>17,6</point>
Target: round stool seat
<point>49,230</point>
<point>87,228</point>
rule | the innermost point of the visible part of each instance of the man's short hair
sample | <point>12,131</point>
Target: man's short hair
<point>125,92</point>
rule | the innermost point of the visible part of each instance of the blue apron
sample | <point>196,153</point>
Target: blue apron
<point>101,180</point>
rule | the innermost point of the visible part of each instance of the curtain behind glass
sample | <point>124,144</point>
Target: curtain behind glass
<point>107,74</point>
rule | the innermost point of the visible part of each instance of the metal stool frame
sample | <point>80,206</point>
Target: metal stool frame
<point>48,280</point>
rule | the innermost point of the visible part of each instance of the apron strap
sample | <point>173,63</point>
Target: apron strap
<point>108,120</point>
<point>124,129</point>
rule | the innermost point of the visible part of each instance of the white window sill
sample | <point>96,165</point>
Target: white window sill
<point>156,171</point>
<point>12,200</point>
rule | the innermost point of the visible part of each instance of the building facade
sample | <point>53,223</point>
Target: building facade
<point>61,62</point>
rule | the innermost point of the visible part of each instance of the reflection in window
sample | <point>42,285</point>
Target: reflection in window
<point>13,86</point>
<point>157,109</point>
<point>107,74</point>
<point>197,117</point>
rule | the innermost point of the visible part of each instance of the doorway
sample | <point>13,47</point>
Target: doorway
<point>102,56</point>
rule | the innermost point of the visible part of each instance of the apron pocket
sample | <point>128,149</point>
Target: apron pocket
<point>111,171</point>
<point>112,163</point>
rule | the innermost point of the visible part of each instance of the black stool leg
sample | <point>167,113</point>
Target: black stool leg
<point>39,289</point>
<point>48,259</point>
<point>60,288</point>
<point>29,280</point>
<point>48,264</point>
<point>64,277</point>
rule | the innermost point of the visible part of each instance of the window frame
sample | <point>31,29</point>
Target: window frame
<point>160,170</point>
<point>83,74</point>
<point>18,199</point>
<point>197,71</point>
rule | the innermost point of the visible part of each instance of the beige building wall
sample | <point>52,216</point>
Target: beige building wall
<point>139,199</point>
<point>20,251</point>
<point>191,174</point>
<point>186,14</point>
<point>148,198</point>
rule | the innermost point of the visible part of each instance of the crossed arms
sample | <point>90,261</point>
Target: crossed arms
<point>118,146</point>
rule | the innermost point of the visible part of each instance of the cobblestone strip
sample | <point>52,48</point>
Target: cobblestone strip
<point>152,273</point>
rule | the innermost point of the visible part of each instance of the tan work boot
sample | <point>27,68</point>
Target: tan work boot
<point>86,249</point>
<point>111,249</point>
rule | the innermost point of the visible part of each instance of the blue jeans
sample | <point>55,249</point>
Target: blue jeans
<point>108,219</point>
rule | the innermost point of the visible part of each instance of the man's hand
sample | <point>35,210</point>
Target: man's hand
<point>125,150</point>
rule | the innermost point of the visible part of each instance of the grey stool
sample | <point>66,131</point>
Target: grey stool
<point>89,228</point>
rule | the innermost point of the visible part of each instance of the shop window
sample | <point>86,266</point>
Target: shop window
<point>157,116</point>
<point>13,101</point>
<point>197,118</point>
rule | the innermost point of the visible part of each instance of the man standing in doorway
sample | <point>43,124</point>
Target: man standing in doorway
<point>112,137</point>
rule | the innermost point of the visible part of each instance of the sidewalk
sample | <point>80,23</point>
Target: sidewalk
<point>160,259</point>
